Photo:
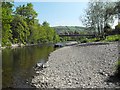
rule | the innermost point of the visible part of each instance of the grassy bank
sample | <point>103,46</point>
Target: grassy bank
<point>118,68</point>
<point>110,38</point>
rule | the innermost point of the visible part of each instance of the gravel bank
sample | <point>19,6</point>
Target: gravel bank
<point>89,66</point>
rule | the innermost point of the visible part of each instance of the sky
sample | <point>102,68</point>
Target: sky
<point>59,13</point>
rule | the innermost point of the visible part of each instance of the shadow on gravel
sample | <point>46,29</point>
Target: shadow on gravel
<point>95,43</point>
<point>115,79</point>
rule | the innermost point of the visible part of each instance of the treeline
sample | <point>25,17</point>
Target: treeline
<point>100,15</point>
<point>20,26</point>
<point>70,29</point>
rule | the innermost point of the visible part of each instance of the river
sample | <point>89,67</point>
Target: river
<point>18,63</point>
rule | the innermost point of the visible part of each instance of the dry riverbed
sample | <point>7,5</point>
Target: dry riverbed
<point>80,66</point>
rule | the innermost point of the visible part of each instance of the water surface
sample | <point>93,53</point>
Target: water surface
<point>18,63</point>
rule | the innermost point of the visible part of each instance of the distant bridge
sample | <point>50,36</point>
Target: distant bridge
<point>75,35</point>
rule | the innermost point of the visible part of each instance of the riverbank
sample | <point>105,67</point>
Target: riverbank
<point>86,66</point>
<point>18,45</point>
<point>70,43</point>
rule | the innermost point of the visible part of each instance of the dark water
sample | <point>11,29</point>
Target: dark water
<point>18,63</point>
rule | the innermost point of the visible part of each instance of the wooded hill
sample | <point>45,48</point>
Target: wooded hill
<point>70,29</point>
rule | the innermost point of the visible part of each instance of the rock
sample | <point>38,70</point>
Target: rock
<point>37,72</point>
<point>77,66</point>
<point>39,65</point>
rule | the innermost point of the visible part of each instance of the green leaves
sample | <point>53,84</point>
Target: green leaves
<point>21,26</point>
<point>6,20</point>
<point>26,11</point>
<point>20,29</point>
<point>98,15</point>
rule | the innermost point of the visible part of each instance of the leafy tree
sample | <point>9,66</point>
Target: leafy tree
<point>107,30</point>
<point>117,29</point>
<point>29,15</point>
<point>33,29</point>
<point>6,20</point>
<point>26,11</point>
<point>117,10</point>
<point>49,31</point>
<point>20,29</point>
<point>45,23</point>
<point>97,15</point>
<point>42,35</point>
<point>21,26</point>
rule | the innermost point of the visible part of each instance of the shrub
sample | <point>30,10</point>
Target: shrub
<point>107,30</point>
<point>113,38</point>
<point>94,40</point>
<point>117,29</point>
<point>8,44</point>
<point>85,40</point>
<point>118,68</point>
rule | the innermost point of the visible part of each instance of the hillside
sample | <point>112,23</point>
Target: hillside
<point>63,29</point>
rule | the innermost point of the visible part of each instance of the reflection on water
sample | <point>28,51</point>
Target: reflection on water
<point>18,63</point>
<point>0,69</point>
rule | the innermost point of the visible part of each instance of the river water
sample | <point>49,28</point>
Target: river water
<point>18,63</point>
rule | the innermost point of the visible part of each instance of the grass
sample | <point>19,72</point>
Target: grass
<point>94,40</point>
<point>118,67</point>
<point>112,38</point>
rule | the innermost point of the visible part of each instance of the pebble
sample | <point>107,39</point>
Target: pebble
<point>77,66</point>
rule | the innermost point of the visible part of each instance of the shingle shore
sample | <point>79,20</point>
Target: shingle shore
<point>79,66</point>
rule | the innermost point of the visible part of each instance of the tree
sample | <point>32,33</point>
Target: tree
<point>21,26</point>
<point>117,29</point>
<point>20,29</point>
<point>49,31</point>
<point>45,23</point>
<point>6,20</point>
<point>107,30</point>
<point>97,15</point>
<point>117,10</point>
<point>26,11</point>
<point>28,14</point>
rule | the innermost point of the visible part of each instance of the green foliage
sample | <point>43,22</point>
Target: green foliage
<point>113,38</point>
<point>6,20</point>
<point>84,40</point>
<point>22,27</point>
<point>107,30</point>
<point>45,23</point>
<point>117,28</point>
<point>94,40</point>
<point>109,38</point>
<point>118,68</point>
<point>56,38</point>
<point>26,11</point>
<point>69,29</point>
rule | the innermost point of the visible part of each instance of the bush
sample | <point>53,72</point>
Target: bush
<point>8,44</point>
<point>117,29</point>
<point>107,29</point>
<point>94,40</point>
<point>118,68</point>
<point>85,40</point>
<point>113,38</point>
